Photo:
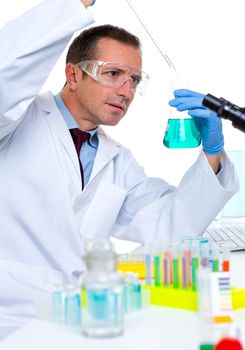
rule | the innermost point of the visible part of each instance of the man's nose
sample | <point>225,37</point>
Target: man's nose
<point>126,89</point>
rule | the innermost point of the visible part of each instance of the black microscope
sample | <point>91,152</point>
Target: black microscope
<point>226,110</point>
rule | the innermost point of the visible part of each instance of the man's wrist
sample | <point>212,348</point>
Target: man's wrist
<point>215,161</point>
<point>88,3</point>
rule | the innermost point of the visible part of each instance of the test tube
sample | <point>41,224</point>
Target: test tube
<point>226,259</point>
<point>175,267</point>
<point>72,306</point>
<point>195,264</point>
<point>166,268</point>
<point>137,292</point>
<point>58,302</point>
<point>184,261</point>
<point>148,265</point>
<point>205,252</point>
<point>215,256</point>
<point>193,244</point>
<point>157,266</point>
<point>186,264</point>
<point>132,292</point>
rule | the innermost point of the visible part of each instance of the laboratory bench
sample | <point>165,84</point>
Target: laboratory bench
<point>155,327</point>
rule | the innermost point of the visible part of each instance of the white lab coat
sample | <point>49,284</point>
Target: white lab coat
<point>44,216</point>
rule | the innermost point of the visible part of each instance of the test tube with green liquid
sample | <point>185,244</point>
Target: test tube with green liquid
<point>195,264</point>
<point>157,267</point>
<point>175,267</point>
<point>215,256</point>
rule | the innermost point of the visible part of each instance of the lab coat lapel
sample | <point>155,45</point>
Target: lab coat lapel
<point>60,130</point>
<point>107,150</point>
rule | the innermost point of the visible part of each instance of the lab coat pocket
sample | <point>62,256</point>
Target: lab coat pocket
<point>23,284</point>
<point>102,212</point>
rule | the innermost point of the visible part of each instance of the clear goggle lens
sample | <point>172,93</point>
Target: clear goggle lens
<point>115,74</point>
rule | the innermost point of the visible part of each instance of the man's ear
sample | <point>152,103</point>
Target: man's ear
<point>71,72</point>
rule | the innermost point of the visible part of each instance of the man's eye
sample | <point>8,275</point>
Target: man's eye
<point>136,79</point>
<point>112,73</point>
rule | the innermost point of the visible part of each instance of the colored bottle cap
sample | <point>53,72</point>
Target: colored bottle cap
<point>229,344</point>
<point>206,346</point>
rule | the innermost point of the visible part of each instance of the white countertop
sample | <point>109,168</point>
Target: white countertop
<point>161,327</point>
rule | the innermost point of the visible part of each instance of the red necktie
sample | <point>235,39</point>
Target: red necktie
<point>79,137</point>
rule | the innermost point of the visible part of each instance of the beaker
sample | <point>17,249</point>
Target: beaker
<point>181,131</point>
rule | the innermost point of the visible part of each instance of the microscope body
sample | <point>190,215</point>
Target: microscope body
<point>227,110</point>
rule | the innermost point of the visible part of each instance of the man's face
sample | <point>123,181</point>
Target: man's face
<point>105,105</point>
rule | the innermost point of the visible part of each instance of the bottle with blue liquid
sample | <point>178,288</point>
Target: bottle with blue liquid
<point>72,306</point>
<point>132,292</point>
<point>102,289</point>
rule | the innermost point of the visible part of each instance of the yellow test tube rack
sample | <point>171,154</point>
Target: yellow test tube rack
<point>238,298</point>
<point>186,299</point>
<point>172,297</point>
<point>175,297</point>
<point>136,267</point>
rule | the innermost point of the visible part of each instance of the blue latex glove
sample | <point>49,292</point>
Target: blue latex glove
<point>92,2</point>
<point>207,122</point>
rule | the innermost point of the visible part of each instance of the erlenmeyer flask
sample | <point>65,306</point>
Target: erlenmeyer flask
<point>181,131</point>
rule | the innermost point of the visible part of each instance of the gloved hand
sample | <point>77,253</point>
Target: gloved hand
<point>207,122</point>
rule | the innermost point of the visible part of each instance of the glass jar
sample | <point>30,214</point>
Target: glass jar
<point>102,292</point>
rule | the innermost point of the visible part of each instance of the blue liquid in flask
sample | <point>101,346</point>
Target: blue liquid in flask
<point>181,133</point>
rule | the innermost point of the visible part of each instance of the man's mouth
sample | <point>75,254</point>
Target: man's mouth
<point>117,105</point>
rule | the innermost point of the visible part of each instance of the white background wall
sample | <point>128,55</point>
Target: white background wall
<point>205,41</point>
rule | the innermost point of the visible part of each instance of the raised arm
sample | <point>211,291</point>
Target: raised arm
<point>30,47</point>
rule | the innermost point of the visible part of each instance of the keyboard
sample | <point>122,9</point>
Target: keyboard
<point>232,236</point>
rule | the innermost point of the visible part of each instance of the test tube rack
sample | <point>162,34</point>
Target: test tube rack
<point>187,299</point>
<point>136,267</point>
<point>171,297</point>
<point>175,297</point>
<point>170,273</point>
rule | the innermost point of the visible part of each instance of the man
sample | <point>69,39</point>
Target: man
<point>50,202</point>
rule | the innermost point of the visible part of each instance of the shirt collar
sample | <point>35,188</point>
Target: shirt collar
<point>70,121</point>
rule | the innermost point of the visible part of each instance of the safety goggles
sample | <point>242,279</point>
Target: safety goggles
<point>115,74</point>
